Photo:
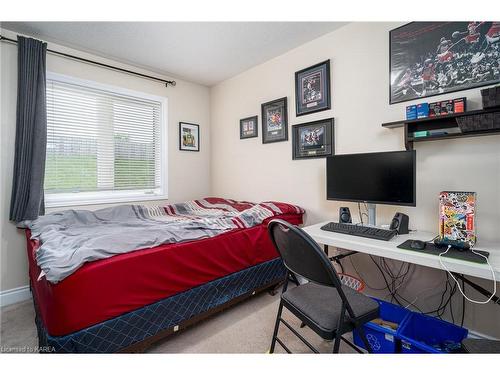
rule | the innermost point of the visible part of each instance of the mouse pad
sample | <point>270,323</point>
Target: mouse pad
<point>452,253</point>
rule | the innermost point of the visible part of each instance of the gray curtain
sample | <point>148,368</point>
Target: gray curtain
<point>31,131</point>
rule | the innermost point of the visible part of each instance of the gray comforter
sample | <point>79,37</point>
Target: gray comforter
<point>68,239</point>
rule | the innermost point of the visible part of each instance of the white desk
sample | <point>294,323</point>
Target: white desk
<point>388,249</point>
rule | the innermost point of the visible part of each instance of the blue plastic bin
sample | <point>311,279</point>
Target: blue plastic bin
<point>383,339</point>
<point>425,334</point>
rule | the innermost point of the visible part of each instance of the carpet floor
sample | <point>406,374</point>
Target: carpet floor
<point>244,328</point>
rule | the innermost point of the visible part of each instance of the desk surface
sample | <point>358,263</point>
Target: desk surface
<point>388,249</point>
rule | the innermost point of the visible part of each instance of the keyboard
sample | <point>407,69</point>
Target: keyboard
<point>360,231</point>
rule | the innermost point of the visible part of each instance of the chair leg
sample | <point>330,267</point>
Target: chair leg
<point>276,327</point>
<point>338,334</point>
<point>362,334</point>
<point>336,344</point>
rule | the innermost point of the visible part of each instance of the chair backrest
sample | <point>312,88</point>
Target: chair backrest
<point>301,255</point>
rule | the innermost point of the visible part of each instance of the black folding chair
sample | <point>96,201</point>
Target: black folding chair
<point>323,304</point>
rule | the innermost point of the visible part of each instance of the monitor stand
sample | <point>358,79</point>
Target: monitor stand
<point>372,214</point>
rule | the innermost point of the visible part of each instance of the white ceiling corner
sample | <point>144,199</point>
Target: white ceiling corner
<point>202,52</point>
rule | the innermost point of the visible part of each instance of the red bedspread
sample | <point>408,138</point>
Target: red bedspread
<point>107,288</point>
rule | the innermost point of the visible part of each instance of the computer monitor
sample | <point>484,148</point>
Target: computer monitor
<point>375,178</point>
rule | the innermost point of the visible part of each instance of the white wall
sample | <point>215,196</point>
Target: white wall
<point>189,172</point>
<point>247,169</point>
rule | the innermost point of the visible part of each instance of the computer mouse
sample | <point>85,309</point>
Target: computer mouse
<point>418,245</point>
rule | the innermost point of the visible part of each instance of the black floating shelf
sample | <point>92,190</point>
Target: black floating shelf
<point>394,124</point>
<point>483,125</point>
<point>401,123</point>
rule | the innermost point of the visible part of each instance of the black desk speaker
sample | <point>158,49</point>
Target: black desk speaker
<point>345,215</point>
<point>400,223</point>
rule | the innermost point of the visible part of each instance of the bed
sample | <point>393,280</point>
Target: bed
<point>128,301</point>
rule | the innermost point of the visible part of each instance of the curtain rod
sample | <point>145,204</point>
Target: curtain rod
<point>73,57</point>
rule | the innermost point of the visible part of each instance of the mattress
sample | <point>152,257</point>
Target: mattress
<point>108,288</point>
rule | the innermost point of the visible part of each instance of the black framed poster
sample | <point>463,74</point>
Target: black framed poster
<point>432,58</point>
<point>313,139</point>
<point>312,89</point>
<point>275,121</point>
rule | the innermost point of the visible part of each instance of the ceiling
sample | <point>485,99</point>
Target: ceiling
<point>201,52</point>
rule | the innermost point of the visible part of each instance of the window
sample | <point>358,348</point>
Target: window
<point>104,144</point>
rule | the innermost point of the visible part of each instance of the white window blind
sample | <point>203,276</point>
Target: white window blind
<point>102,144</point>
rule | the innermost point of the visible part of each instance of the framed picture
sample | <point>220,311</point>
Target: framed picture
<point>312,89</point>
<point>189,137</point>
<point>275,121</point>
<point>248,127</point>
<point>313,139</point>
<point>433,58</point>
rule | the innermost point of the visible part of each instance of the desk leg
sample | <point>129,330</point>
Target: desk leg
<point>342,256</point>
<point>337,258</point>
<point>479,288</point>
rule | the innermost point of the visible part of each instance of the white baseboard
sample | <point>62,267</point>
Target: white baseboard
<point>11,296</point>
<point>479,335</point>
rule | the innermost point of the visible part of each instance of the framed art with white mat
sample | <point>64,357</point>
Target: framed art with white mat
<point>189,137</point>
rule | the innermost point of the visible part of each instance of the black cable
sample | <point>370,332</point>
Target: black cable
<point>393,297</point>
<point>394,294</point>
<point>409,268</point>
<point>361,214</point>
<point>451,310</point>
<point>463,304</point>
<point>451,292</point>
<point>395,278</point>
<point>384,266</point>
<point>410,304</point>
<point>451,303</point>
<point>399,295</point>
<point>440,306</point>
<point>337,261</point>
<point>409,271</point>
<point>400,273</point>
<point>398,279</point>
<point>444,303</point>
<point>363,278</point>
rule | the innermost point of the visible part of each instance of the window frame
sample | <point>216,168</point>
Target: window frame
<point>117,196</point>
